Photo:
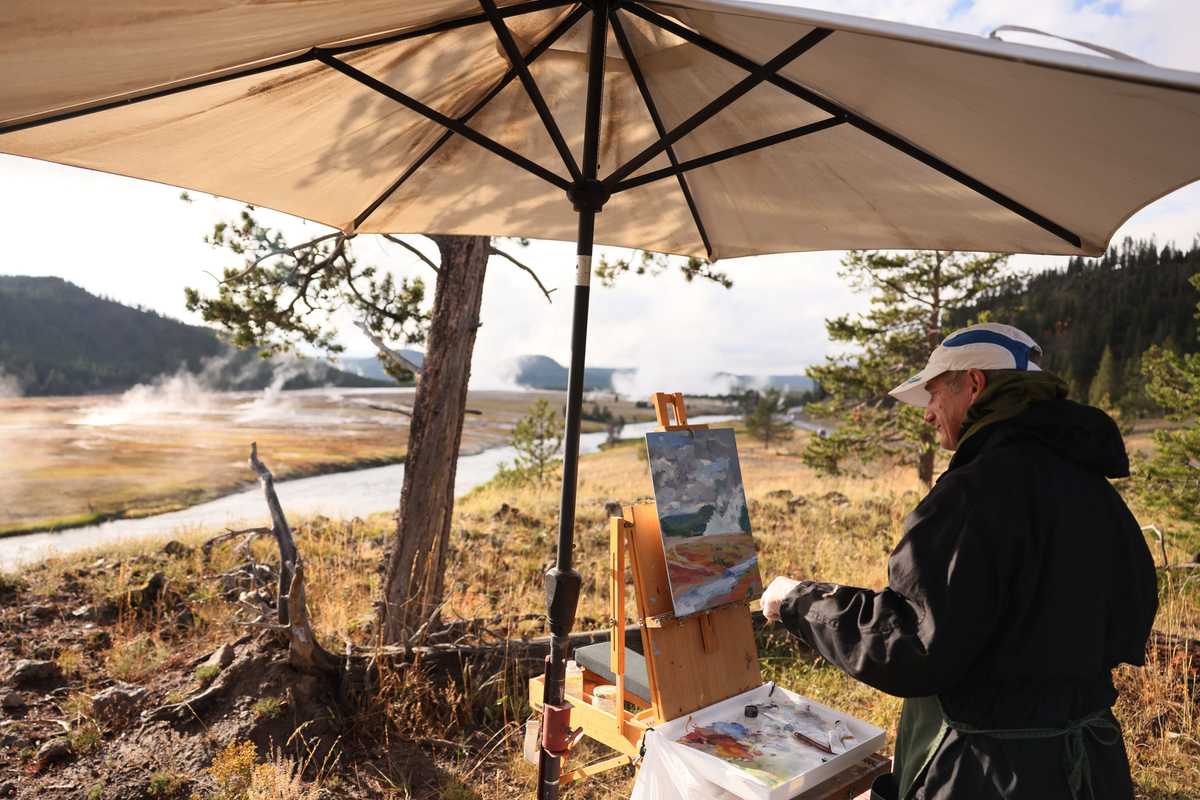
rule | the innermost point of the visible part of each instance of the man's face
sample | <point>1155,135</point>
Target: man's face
<point>950,395</point>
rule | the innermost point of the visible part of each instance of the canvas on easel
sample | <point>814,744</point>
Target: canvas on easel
<point>705,522</point>
<point>692,668</point>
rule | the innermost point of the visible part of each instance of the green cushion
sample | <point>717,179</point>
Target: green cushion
<point>595,657</point>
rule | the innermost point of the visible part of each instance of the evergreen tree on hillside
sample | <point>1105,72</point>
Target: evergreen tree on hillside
<point>537,438</point>
<point>1170,479</point>
<point>1134,296</point>
<point>765,421</point>
<point>912,297</point>
<point>1105,388</point>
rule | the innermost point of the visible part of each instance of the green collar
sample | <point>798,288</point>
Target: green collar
<point>1008,394</point>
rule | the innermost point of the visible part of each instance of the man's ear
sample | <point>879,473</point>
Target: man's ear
<point>978,382</point>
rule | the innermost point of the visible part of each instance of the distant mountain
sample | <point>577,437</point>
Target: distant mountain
<point>370,366</point>
<point>543,372</point>
<point>56,339</point>
<point>788,384</point>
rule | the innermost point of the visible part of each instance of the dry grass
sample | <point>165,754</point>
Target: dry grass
<point>837,529</point>
<point>80,465</point>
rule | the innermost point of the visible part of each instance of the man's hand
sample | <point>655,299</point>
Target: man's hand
<point>773,597</point>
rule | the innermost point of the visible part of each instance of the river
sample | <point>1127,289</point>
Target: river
<point>342,494</point>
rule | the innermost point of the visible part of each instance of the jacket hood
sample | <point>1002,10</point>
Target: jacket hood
<point>1080,433</point>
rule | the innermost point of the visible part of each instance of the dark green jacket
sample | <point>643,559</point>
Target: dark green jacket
<point>1021,581</point>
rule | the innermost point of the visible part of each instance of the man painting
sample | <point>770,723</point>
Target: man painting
<point>1021,581</point>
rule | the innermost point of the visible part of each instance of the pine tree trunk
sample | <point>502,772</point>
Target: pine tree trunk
<point>925,464</point>
<point>414,582</point>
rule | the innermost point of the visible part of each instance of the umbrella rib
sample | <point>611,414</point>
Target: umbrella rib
<point>259,67</point>
<point>448,25</point>
<point>450,123</point>
<point>541,47</point>
<point>759,74</point>
<point>861,123</point>
<point>721,155</point>
<point>517,60</point>
<point>644,89</point>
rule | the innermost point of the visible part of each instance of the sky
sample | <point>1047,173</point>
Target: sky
<point>138,243</point>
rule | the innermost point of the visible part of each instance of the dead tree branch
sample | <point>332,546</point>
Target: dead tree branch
<point>305,652</point>
<point>250,533</point>
<point>498,252</point>
<point>395,356</point>
<point>413,249</point>
<point>408,411</point>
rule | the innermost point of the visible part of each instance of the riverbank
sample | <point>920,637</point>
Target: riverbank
<point>74,462</point>
<point>188,498</point>
<point>337,494</point>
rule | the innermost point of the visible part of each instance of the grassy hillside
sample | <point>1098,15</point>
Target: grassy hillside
<point>1134,296</point>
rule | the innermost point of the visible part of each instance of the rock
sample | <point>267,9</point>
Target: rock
<point>797,502</point>
<point>780,494</point>
<point>835,498</point>
<point>221,658</point>
<point>98,640</point>
<point>512,514</point>
<point>144,596</point>
<point>40,611</point>
<point>119,700</point>
<point>12,700</point>
<point>138,598</point>
<point>177,549</point>
<point>28,672</point>
<point>53,752</point>
<point>84,612</point>
<point>184,619</point>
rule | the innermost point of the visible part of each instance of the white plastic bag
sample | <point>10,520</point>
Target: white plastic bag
<point>666,776</point>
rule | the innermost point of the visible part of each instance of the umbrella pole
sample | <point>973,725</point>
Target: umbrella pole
<point>562,581</point>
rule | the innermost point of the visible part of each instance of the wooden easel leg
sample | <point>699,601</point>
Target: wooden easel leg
<point>589,770</point>
<point>617,595</point>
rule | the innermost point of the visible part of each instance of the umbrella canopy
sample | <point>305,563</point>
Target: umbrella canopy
<point>702,127</point>
<point>881,135</point>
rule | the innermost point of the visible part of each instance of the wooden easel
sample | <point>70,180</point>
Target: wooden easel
<point>709,656</point>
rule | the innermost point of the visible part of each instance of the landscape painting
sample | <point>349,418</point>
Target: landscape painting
<point>710,553</point>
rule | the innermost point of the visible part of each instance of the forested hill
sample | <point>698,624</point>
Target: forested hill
<point>56,338</point>
<point>1134,296</point>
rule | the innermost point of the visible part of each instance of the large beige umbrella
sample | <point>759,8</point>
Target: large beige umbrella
<point>715,128</point>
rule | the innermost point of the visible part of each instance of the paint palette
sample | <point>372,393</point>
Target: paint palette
<point>786,745</point>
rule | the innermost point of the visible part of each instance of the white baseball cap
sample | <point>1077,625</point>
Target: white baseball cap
<point>989,345</point>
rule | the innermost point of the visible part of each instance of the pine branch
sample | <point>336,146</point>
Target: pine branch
<point>394,356</point>
<point>414,250</point>
<point>498,252</point>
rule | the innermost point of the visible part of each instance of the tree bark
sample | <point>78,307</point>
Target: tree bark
<point>413,584</point>
<point>925,465</point>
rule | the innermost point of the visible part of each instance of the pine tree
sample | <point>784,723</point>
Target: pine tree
<point>912,296</point>
<point>1103,391</point>
<point>764,421</point>
<point>537,438</point>
<point>1170,479</point>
